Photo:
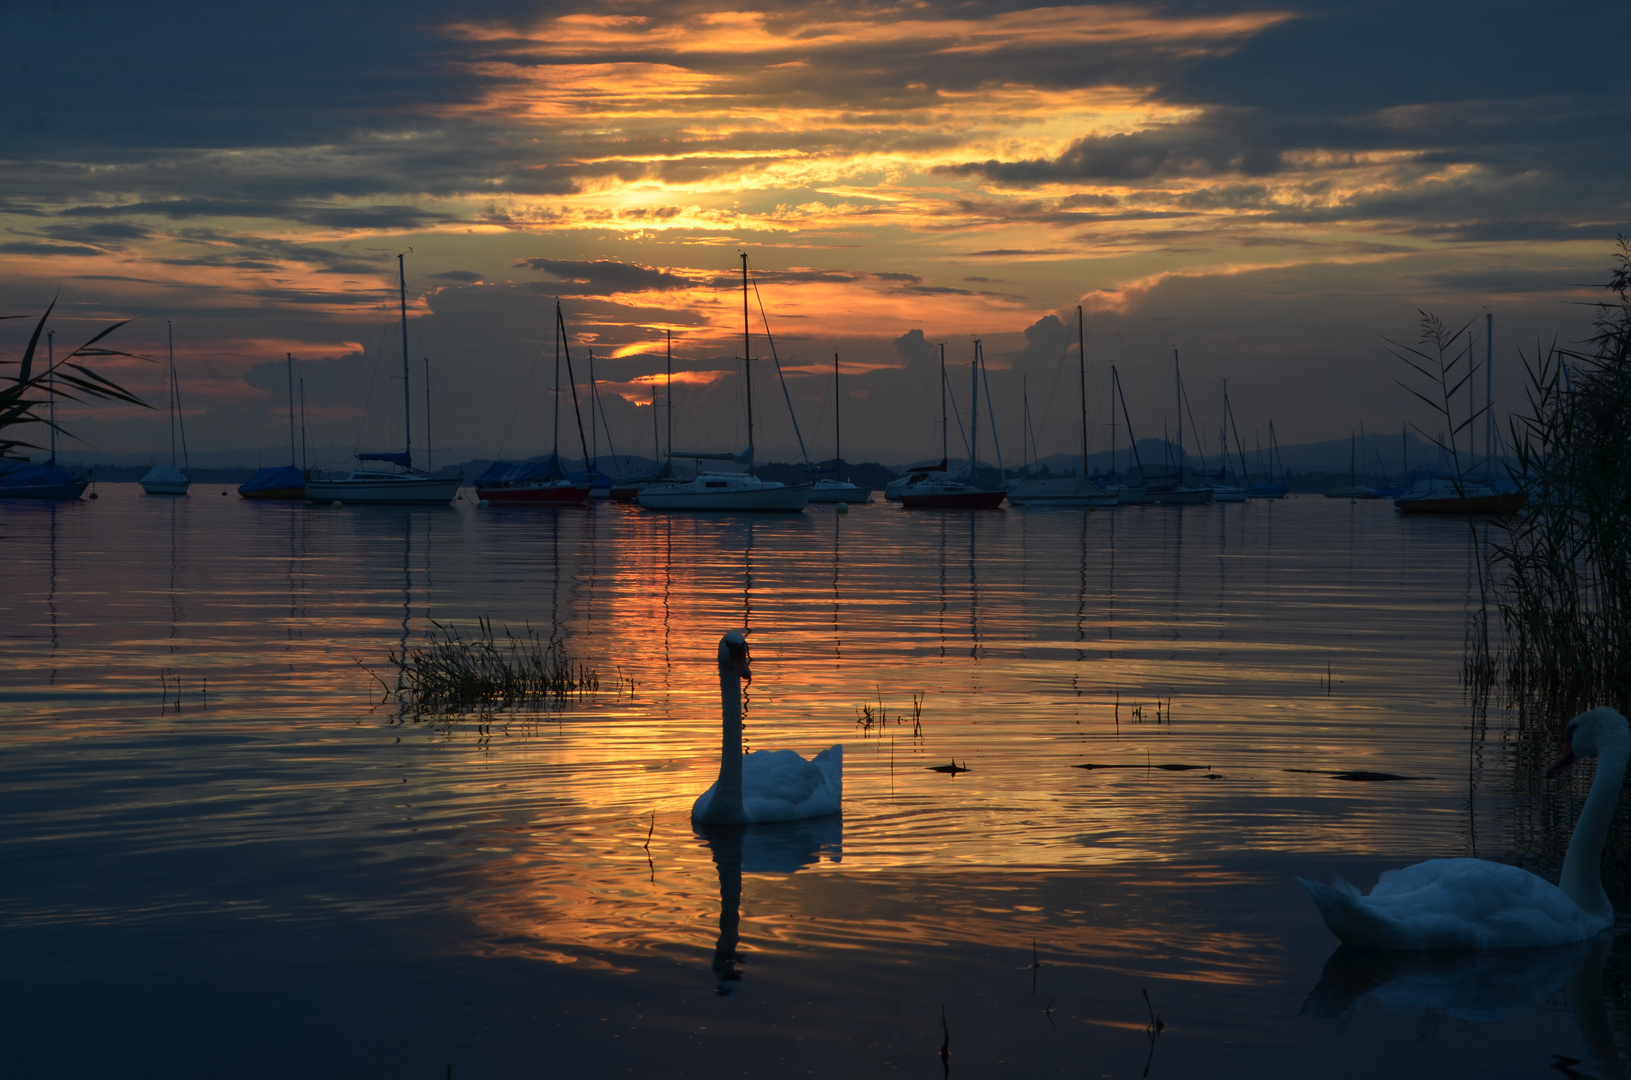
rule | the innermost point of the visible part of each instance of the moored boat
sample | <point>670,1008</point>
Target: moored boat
<point>839,491</point>
<point>166,480</point>
<point>1067,491</point>
<point>169,479</point>
<point>534,482</point>
<point>275,482</point>
<point>731,492</point>
<point>379,486</point>
<point>1445,497</point>
<point>47,480</point>
<point>944,493</point>
<point>725,491</point>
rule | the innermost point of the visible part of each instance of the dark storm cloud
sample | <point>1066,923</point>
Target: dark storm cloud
<point>216,247</point>
<point>915,349</point>
<point>606,275</point>
<point>1045,339</point>
<point>1181,150</point>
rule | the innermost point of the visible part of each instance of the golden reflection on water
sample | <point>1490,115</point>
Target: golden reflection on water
<point>1305,635</point>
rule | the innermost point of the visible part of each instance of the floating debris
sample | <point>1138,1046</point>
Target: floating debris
<point>1162,768</point>
<point>953,768</point>
<point>1358,775</point>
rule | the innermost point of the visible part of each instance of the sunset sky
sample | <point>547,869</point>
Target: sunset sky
<point>1271,190</point>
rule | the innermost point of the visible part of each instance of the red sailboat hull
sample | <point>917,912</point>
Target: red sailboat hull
<point>536,495</point>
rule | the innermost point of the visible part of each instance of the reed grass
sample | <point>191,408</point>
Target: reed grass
<point>1564,588</point>
<point>25,394</point>
<point>485,673</point>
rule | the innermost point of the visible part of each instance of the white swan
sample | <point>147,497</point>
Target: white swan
<point>1473,904</point>
<point>766,785</point>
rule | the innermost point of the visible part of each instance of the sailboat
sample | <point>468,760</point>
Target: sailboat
<point>280,481</point>
<point>729,491</point>
<point>1271,488</point>
<point>169,479</point>
<point>839,490</point>
<point>541,482</point>
<point>1222,492</point>
<point>1174,490</point>
<point>378,485</point>
<point>627,487</point>
<point>1067,490</point>
<point>1354,490</point>
<point>47,480</point>
<point>921,473</point>
<point>942,492</point>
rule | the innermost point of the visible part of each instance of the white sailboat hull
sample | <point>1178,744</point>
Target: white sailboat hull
<point>1059,491</point>
<point>384,489</point>
<point>166,480</point>
<point>831,491</point>
<point>726,491</point>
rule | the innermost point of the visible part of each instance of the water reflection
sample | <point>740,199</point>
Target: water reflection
<point>1480,986</point>
<point>780,848</point>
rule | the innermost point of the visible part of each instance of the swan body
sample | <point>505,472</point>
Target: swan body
<point>779,785</point>
<point>766,785</point>
<point>1474,904</point>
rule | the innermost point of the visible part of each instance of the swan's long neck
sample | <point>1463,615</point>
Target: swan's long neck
<point>1582,877</point>
<point>727,805</point>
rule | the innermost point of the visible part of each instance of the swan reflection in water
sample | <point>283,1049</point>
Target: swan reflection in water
<point>1476,985</point>
<point>782,847</point>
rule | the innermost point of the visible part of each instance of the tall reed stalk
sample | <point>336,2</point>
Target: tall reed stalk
<point>1565,588</point>
<point>1445,363</point>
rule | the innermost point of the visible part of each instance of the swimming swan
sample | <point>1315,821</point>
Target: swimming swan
<point>766,785</point>
<point>1473,904</point>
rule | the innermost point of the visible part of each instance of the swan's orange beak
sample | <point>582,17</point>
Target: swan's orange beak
<point>1564,759</point>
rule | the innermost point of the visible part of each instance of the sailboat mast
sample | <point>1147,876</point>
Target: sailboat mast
<point>407,408</point>
<point>288,359</point>
<point>594,429</point>
<point>837,431</point>
<point>1115,388</point>
<point>747,357</point>
<point>974,417</point>
<point>945,445</point>
<point>1026,442</point>
<point>1081,360</point>
<point>175,395</point>
<point>1178,387</point>
<point>555,426</point>
<point>669,393</point>
<point>170,335</point>
<point>572,381</point>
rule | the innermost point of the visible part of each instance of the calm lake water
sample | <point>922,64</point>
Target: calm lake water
<point>224,856</point>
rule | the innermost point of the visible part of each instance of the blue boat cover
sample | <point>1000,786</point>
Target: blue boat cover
<point>545,467</point>
<point>22,474</point>
<point>275,478</point>
<point>394,458</point>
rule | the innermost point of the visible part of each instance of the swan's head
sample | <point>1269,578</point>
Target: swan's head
<point>733,655</point>
<point>1587,734</point>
